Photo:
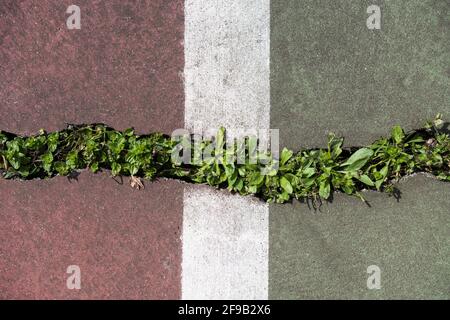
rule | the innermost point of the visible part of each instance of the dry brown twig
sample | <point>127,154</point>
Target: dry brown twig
<point>136,183</point>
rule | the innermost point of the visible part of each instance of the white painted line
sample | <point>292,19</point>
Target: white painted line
<point>227,56</point>
<point>225,249</point>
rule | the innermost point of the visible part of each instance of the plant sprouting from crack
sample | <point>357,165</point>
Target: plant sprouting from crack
<point>306,174</point>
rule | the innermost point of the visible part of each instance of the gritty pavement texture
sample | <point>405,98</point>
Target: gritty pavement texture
<point>227,64</point>
<point>126,242</point>
<point>124,67</point>
<point>325,254</point>
<point>227,83</point>
<point>329,72</point>
<point>225,245</point>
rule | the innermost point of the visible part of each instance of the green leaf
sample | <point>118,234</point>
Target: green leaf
<point>256,179</point>
<point>308,172</point>
<point>239,185</point>
<point>47,161</point>
<point>150,173</point>
<point>324,189</point>
<point>115,168</point>
<point>358,159</point>
<point>72,159</point>
<point>384,171</point>
<point>128,132</point>
<point>52,141</point>
<point>232,179</point>
<point>220,139</point>
<point>94,167</point>
<point>378,183</point>
<point>286,154</point>
<point>366,180</point>
<point>286,185</point>
<point>47,157</point>
<point>61,168</point>
<point>416,139</point>
<point>334,145</point>
<point>24,171</point>
<point>283,197</point>
<point>229,170</point>
<point>397,134</point>
<point>270,172</point>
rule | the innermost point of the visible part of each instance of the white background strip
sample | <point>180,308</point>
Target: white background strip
<point>225,237</point>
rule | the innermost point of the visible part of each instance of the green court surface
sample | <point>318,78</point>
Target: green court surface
<point>325,254</point>
<point>329,72</point>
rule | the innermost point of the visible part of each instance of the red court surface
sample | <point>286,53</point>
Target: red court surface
<point>123,68</point>
<point>126,242</point>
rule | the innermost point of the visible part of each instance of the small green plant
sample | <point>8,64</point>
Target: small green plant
<point>306,174</point>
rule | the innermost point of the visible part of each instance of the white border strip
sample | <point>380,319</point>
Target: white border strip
<point>227,82</point>
<point>225,246</point>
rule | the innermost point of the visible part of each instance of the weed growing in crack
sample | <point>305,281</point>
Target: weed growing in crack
<point>307,174</point>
